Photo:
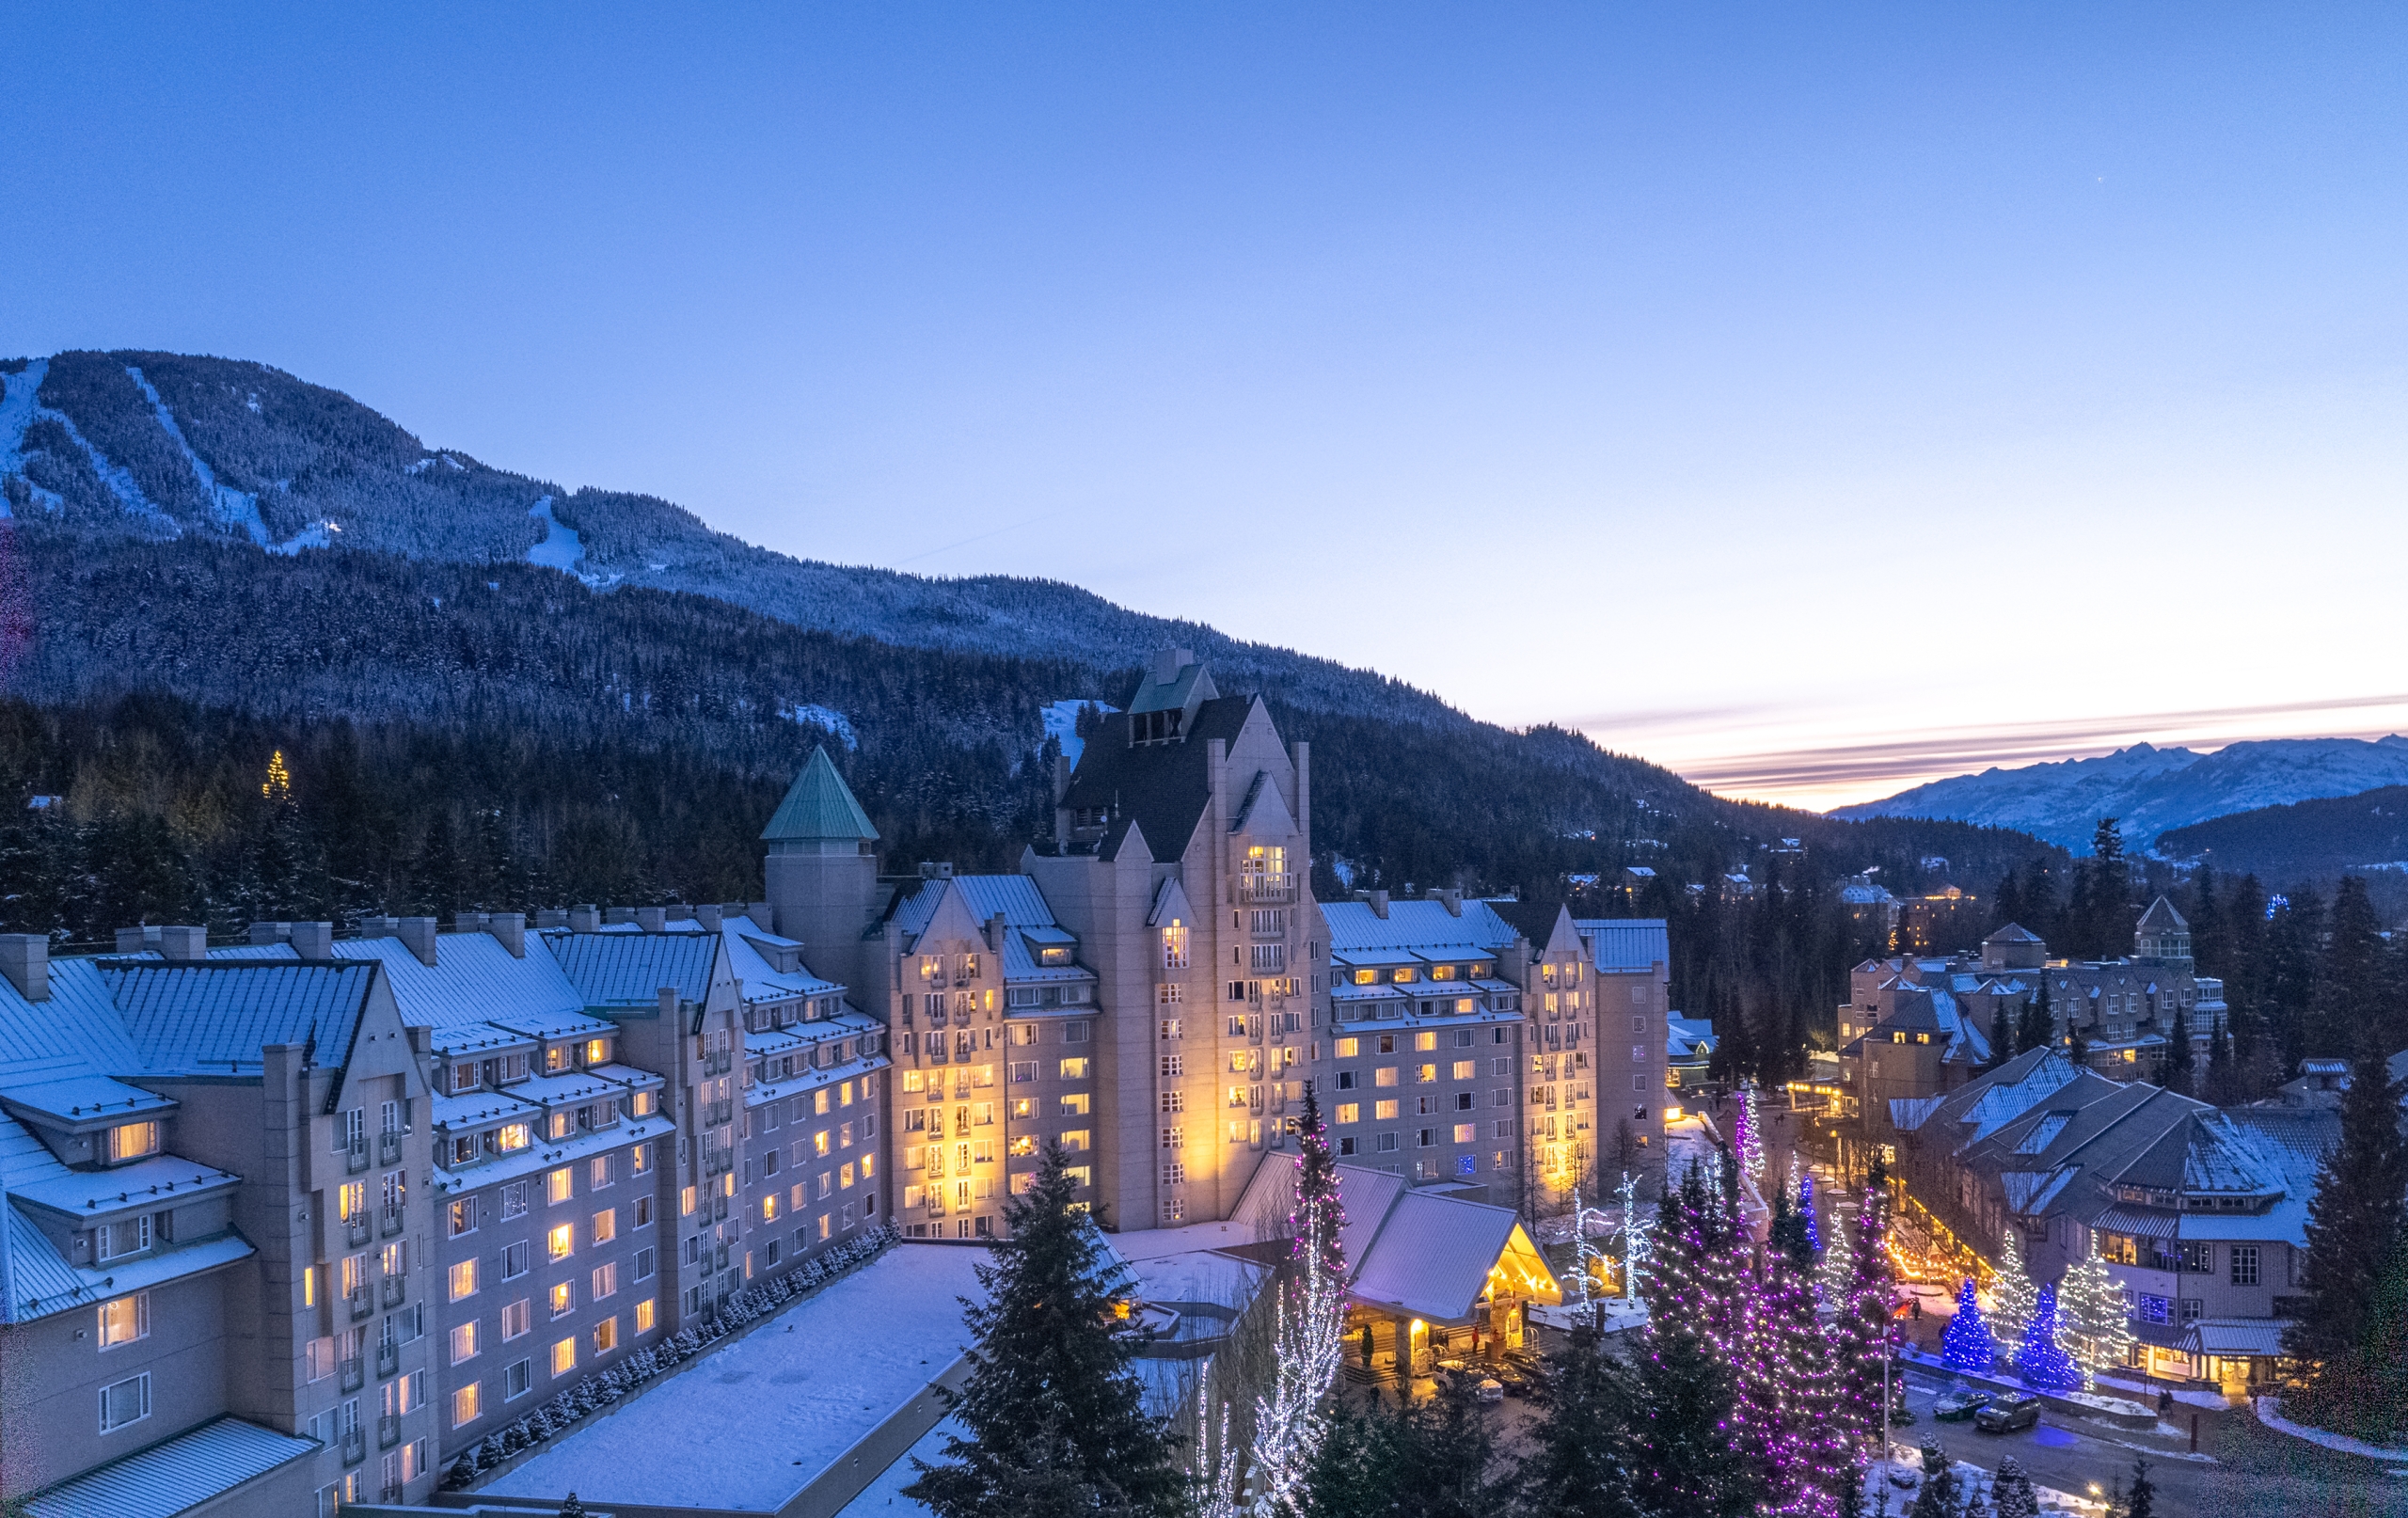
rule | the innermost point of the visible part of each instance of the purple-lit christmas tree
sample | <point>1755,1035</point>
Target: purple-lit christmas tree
<point>2040,1362</point>
<point>1320,1217</point>
<point>1969,1345</point>
<point>1864,1333</point>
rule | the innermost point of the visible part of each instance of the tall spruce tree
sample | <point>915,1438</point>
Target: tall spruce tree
<point>2178,1055</point>
<point>2038,1028</point>
<point>1864,1334</point>
<point>1685,1457</point>
<point>1053,1409</point>
<point>2354,1225</point>
<point>2002,1035</point>
<point>1320,1217</point>
<point>1579,1464</point>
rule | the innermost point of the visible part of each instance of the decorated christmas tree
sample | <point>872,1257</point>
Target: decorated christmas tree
<point>1969,1345</point>
<point>1747,1132</point>
<point>2098,1331</point>
<point>2012,1295</point>
<point>1864,1334</point>
<point>2042,1364</point>
<point>1320,1217</point>
<point>1806,1210</point>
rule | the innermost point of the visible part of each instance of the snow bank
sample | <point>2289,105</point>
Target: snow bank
<point>2270,1414</point>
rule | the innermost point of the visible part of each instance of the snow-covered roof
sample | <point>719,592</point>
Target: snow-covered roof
<point>175,1475</point>
<point>805,1387</point>
<point>1420,926</point>
<point>1622,946</point>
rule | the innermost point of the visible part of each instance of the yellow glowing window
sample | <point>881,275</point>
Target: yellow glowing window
<point>845,1178</point>
<point>564,1297</point>
<point>1406,974</point>
<point>1424,1042</point>
<point>819,1144</point>
<point>463,1279</point>
<point>845,1095</point>
<point>598,1051</point>
<point>559,1185</point>
<point>1349,1048</point>
<point>1024,1106</point>
<point>768,1209</point>
<point>1350,1112</point>
<point>562,1241</point>
<point>643,1316</point>
<point>464,1408</point>
<point>351,1201</point>
<point>125,1319</point>
<point>687,1197</point>
<point>512,1137</point>
<point>1075,1105</point>
<point>1465,1070</point>
<point>1367,978</point>
<point>1424,1074</point>
<point>564,1356</point>
<point>556,1059</point>
<point>1383,1110</point>
<point>130,1140</point>
<point>1075,1069</point>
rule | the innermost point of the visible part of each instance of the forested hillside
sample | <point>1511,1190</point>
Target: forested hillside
<point>502,701</point>
<point>2306,840</point>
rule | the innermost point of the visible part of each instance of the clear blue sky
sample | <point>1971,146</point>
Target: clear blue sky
<point>1742,383</point>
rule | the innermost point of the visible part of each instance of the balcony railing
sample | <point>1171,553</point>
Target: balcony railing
<point>395,1288</point>
<point>392,1495</point>
<point>389,1148</point>
<point>719,1063</point>
<point>357,1229</point>
<point>354,1447</point>
<point>389,1359</point>
<point>389,1430</point>
<point>719,1112</point>
<point>390,1220</point>
<point>1269,889</point>
<point>355,1374</point>
<point>355,1158</point>
<point>363,1303</point>
<point>718,1210</point>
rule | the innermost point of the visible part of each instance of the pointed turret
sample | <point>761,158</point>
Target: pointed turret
<point>819,808</point>
<point>823,872</point>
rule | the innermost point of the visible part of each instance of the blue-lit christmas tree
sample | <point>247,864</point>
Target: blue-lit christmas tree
<point>1969,1346</point>
<point>1806,1207</point>
<point>2042,1365</point>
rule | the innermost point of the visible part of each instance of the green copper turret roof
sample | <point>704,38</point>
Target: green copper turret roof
<point>818,805</point>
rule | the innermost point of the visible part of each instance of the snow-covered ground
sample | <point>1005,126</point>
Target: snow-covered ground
<point>1062,725</point>
<point>2270,1414</point>
<point>559,548</point>
<point>755,1421</point>
<point>884,1497</point>
<point>233,507</point>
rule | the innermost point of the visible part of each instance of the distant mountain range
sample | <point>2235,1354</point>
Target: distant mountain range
<point>2153,791</point>
<point>228,532</point>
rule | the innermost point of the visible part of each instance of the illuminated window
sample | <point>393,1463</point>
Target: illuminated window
<point>1385,1075</point>
<point>1406,974</point>
<point>1075,1105</point>
<point>1424,1074</point>
<point>1367,978</point>
<point>1424,1042</point>
<point>1466,1070</point>
<point>563,1358</point>
<point>562,1241</point>
<point>512,1137</point>
<point>1383,1110</point>
<point>598,1051</point>
<point>563,1298</point>
<point>559,1185</point>
<point>1075,1069</point>
<point>463,1279</point>
<point>643,1316</point>
<point>125,1319</point>
<point>845,1178</point>
<point>1350,1112</point>
<point>1075,1139</point>
<point>556,1059</point>
<point>1175,945</point>
<point>466,1405</point>
<point>132,1141</point>
<point>463,1343</point>
<point>819,1142</point>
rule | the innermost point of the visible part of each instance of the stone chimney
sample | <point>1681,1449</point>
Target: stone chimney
<point>667,1006</point>
<point>1453,901</point>
<point>652,919</point>
<point>1379,900</point>
<point>184,944</point>
<point>271,932</point>
<point>509,930</point>
<point>709,916</point>
<point>584,920</point>
<point>417,936</point>
<point>314,940</point>
<point>24,959</point>
<point>995,930</point>
<point>760,913</point>
<point>550,917</point>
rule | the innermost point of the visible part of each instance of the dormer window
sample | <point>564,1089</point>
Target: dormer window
<point>133,1141</point>
<point>1155,727</point>
<point>556,1059</point>
<point>598,1051</point>
<point>464,1077</point>
<point>1054,956</point>
<point>1367,978</point>
<point>1406,974</point>
<point>114,1240</point>
<point>1175,945</point>
<point>1442,971</point>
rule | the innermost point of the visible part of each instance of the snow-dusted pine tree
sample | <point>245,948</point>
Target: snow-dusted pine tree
<point>1968,1345</point>
<point>2097,1331</point>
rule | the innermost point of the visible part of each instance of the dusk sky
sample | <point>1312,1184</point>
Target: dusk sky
<point>1813,399</point>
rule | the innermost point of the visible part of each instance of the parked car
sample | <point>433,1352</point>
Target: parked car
<point>1513,1382</point>
<point>2008,1411</point>
<point>1491,1391</point>
<point>1959,1405</point>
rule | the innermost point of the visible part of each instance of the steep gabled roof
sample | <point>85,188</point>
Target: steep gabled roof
<point>1162,787</point>
<point>1625,945</point>
<point>2162,918</point>
<point>213,1017</point>
<point>628,969</point>
<point>818,806</point>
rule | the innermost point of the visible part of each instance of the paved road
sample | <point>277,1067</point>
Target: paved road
<point>2250,1470</point>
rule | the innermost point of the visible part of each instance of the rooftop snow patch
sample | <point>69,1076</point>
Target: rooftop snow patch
<point>748,1425</point>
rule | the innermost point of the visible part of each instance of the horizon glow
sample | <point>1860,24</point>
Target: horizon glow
<point>1816,402</point>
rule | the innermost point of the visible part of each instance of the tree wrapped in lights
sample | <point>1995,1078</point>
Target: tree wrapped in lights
<point>1807,1462</point>
<point>1969,1345</point>
<point>1685,1454</point>
<point>1806,1210</point>
<point>2012,1295</point>
<point>2096,1329</point>
<point>2041,1362</point>
<point>1747,1133</point>
<point>1864,1332</point>
<point>1309,1346</point>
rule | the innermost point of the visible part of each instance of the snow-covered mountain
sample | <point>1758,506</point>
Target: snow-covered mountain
<point>2151,789</point>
